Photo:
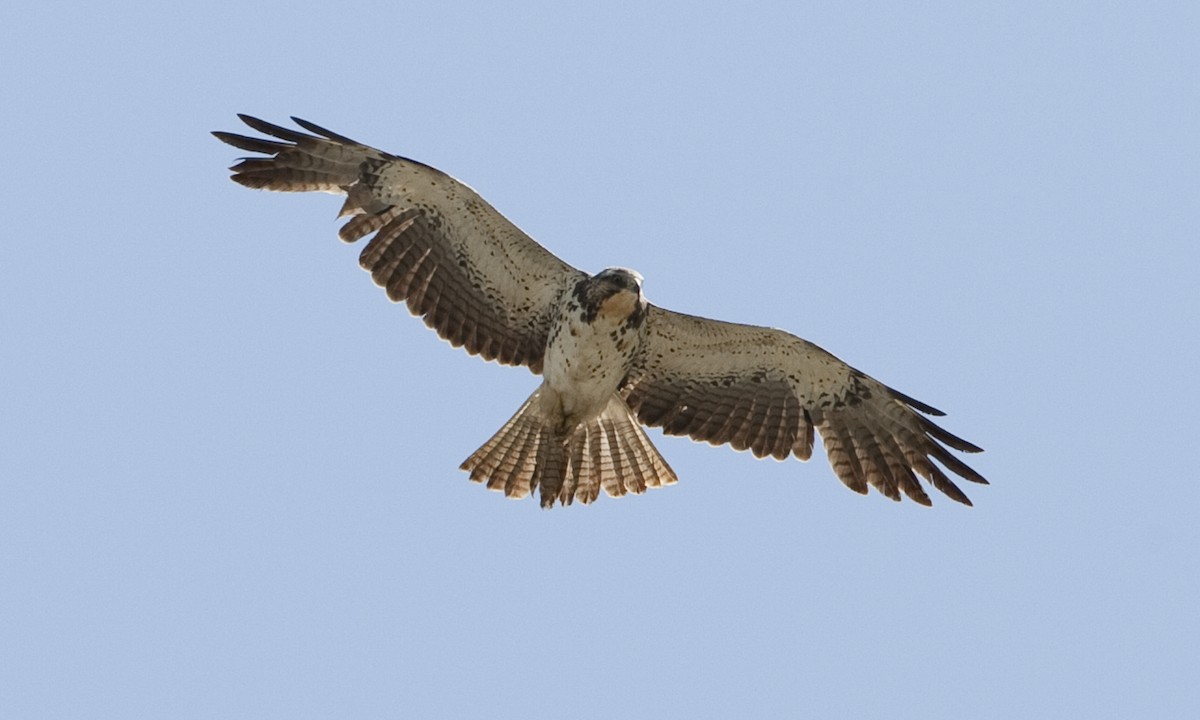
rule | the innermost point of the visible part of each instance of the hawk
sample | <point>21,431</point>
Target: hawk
<point>610,361</point>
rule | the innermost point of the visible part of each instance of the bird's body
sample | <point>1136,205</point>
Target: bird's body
<point>609,360</point>
<point>592,343</point>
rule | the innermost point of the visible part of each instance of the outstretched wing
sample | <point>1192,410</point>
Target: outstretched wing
<point>766,390</point>
<point>458,263</point>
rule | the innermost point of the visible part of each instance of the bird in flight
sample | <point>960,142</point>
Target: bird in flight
<point>610,361</point>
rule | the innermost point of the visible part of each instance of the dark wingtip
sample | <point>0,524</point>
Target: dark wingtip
<point>965,446</point>
<point>939,433</point>
<point>318,130</point>
<point>957,495</point>
<point>272,129</point>
<point>939,480</point>
<point>922,501</point>
<point>227,137</point>
<point>258,145</point>
<point>916,404</point>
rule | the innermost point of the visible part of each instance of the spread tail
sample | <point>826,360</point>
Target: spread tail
<point>609,451</point>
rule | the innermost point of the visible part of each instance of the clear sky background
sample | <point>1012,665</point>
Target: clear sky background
<point>228,465</point>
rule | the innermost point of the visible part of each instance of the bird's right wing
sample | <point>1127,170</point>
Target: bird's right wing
<point>471,274</point>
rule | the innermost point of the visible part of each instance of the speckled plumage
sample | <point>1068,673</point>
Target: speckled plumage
<point>609,359</point>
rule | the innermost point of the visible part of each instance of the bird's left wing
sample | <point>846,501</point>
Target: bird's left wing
<point>471,274</point>
<point>766,390</point>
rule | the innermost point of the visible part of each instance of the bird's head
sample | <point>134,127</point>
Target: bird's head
<point>620,279</point>
<point>617,293</point>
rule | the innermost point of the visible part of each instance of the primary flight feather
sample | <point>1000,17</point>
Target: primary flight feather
<point>609,360</point>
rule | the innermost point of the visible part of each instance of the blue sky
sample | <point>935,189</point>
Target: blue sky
<point>228,475</point>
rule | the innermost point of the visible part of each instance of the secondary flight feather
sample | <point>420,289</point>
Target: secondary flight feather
<point>610,361</point>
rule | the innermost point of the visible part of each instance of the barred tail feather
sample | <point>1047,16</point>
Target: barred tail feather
<point>515,460</point>
<point>609,452</point>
